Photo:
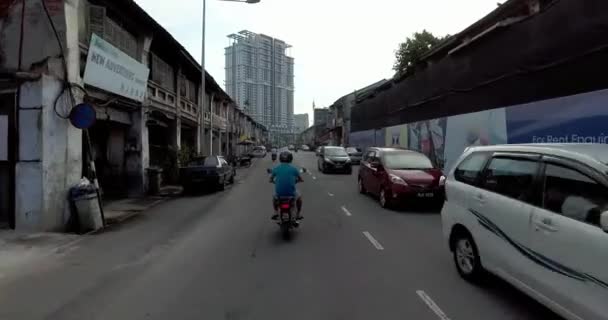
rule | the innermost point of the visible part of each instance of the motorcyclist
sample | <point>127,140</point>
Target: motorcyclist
<point>273,153</point>
<point>285,176</point>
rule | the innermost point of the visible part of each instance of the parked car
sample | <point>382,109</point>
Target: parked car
<point>208,171</point>
<point>334,159</point>
<point>355,155</point>
<point>305,148</point>
<point>291,147</point>
<point>536,216</point>
<point>399,176</point>
<point>318,151</point>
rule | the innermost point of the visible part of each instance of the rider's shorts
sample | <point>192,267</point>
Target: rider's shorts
<point>296,196</point>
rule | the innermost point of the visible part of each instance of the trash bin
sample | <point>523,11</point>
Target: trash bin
<point>84,197</point>
<point>154,180</point>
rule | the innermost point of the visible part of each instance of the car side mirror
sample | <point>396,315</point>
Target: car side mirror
<point>604,221</point>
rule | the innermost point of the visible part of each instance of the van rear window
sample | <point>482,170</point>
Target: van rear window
<point>470,168</point>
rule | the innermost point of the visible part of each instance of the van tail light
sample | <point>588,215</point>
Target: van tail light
<point>442,181</point>
<point>285,206</point>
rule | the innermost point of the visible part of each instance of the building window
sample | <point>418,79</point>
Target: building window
<point>162,73</point>
<point>191,91</point>
<point>120,38</point>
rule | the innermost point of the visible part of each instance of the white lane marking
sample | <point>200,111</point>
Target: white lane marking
<point>346,212</point>
<point>432,305</point>
<point>371,239</point>
<point>330,194</point>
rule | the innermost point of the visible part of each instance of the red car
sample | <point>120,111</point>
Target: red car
<point>398,176</point>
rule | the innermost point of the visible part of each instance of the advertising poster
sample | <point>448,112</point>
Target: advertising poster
<point>579,118</point>
<point>110,69</point>
<point>367,138</point>
<point>362,139</point>
<point>473,129</point>
<point>396,136</point>
<point>428,137</point>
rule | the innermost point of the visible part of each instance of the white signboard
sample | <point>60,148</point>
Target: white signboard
<point>110,69</point>
<point>3,138</point>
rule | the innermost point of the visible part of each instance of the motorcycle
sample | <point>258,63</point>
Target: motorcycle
<point>287,214</point>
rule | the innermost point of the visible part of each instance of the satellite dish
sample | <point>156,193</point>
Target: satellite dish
<point>83,116</point>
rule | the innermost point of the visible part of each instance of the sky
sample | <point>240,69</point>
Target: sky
<point>338,45</point>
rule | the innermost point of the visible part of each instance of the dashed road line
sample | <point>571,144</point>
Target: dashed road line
<point>432,305</point>
<point>330,194</point>
<point>374,242</point>
<point>346,212</point>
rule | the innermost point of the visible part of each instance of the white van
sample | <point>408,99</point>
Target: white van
<point>537,216</point>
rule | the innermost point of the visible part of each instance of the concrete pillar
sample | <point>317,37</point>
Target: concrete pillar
<point>49,160</point>
<point>176,136</point>
<point>137,149</point>
<point>205,137</point>
<point>49,149</point>
<point>220,142</point>
<point>198,138</point>
<point>137,154</point>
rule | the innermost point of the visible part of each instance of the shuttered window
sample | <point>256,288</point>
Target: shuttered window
<point>111,31</point>
<point>162,73</point>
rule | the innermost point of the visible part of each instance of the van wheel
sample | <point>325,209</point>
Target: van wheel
<point>466,257</point>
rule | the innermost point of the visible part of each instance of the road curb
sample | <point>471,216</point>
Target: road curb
<point>131,214</point>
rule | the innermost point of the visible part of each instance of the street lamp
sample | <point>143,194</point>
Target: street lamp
<point>203,74</point>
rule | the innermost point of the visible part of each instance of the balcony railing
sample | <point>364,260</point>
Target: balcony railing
<point>188,108</point>
<point>218,122</point>
<point>164,98</point>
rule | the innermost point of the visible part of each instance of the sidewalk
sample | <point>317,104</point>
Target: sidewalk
<point>18,249</point>
<point>119,210</point>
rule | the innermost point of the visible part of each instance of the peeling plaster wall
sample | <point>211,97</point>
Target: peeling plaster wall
<point>50,149</point>
<point>37,44</point>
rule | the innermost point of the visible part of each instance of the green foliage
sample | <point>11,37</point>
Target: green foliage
<point>410,52</point>
<point>185,154</point>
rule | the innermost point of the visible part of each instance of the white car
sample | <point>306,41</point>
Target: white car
<point>535,215</point>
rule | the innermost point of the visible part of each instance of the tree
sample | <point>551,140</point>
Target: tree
<point>414,47</point>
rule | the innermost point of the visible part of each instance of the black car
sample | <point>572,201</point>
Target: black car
<point>208,171</point>
<point>355,155</point>
<point>334,159</point>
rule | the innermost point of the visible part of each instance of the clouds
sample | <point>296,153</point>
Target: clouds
<point>338,45</point>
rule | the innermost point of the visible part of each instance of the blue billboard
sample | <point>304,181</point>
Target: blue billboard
<point>581,118</point>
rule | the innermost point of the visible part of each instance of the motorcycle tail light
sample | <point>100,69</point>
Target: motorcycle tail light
<point>284,205</point>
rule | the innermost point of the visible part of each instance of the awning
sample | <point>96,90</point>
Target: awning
<point>246,142</point>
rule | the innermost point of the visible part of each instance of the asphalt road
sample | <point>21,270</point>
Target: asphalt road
<point>218,256</point>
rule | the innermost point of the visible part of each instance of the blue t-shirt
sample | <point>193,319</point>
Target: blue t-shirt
<point>285,178</point>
